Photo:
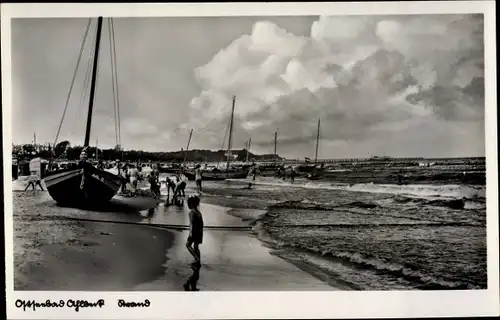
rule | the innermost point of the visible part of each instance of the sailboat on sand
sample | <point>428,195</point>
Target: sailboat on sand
<point>229,173</point>
<point>86,185</point>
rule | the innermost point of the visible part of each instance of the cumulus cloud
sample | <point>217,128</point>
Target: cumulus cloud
<point>357,74</point>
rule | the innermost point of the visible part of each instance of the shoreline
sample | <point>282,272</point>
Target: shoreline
<point>233,261</point>
<point>64,249</point>
<point>296,242</point>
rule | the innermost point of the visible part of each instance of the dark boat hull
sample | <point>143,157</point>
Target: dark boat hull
<point>317,174</point>
<point>64,186</point>
<point>306,168</point>
<point>169,170</point>
<point>314,177</point>
<point>221,175</point>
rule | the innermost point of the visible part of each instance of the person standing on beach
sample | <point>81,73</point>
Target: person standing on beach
<point>35,178</point>
<point>34,181</point>
<point>154,184</point>
<point>249,177</point>
<point>197,177</point>
<point>133,176</point>
<point>184,180</point>
<point>292,174</point>
<point>122,172</point>
<point>195,238</point>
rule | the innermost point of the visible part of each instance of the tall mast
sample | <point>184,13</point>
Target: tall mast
<point>248,148</point>
<point>317,144</point>
<point>97,149</point>
<point>92,86</point>
<point>187,148</point>
<point>275,144</point>
<point>229,145</point>
<point>246,151</point>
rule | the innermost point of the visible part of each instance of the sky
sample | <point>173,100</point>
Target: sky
<point>402,86</point>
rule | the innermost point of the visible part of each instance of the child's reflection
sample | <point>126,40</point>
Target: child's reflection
<point>192,282</point>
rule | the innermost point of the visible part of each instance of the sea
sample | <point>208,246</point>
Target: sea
<point>363,231</point>
<point>370,236</point>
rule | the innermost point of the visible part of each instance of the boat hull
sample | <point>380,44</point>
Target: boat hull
<point>306,168</point>
<point>64,186</point>
<point>312,177</point>
<point>221,175</point>
<point>169,170</point>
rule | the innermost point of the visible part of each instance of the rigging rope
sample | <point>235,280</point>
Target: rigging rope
<point>73,80</point>
<point>115,70</point>
<point>115,109</point>
<point>86,83</point>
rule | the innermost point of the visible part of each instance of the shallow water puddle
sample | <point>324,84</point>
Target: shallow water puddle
<point>213,216</point>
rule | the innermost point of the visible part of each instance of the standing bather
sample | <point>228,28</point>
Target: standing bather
<point>197,176</point>
<point>292,174</point>
<point>195,238</point>
<point>133,176</point>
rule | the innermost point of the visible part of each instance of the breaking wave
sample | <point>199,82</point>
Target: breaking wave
<point>408,274</point>
<point>417,278</point>
<point>414,190</point>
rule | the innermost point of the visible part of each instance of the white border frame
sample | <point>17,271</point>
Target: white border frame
<point>203,305</point>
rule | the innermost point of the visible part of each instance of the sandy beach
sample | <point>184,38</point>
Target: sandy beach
<point>320,235</point>
<point>52,253</point>
<point>126,250</point>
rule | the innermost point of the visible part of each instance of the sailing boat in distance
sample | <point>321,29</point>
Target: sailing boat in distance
<point>216,174</point>
<point>315,173</point>
<point>84,185</point>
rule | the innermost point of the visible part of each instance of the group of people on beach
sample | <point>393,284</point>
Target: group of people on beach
<point>282,172</point>
<point>130,174</point>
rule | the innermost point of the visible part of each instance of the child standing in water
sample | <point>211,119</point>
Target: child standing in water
<point>195,238</point>
<point>195,230</point>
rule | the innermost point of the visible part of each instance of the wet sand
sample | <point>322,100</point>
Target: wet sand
<point>51,253</point>
<point>54,253</point>
<point>232,260</point>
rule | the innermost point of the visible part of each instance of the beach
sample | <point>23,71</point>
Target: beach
<point>122,251</point>
<point>309,235</point>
